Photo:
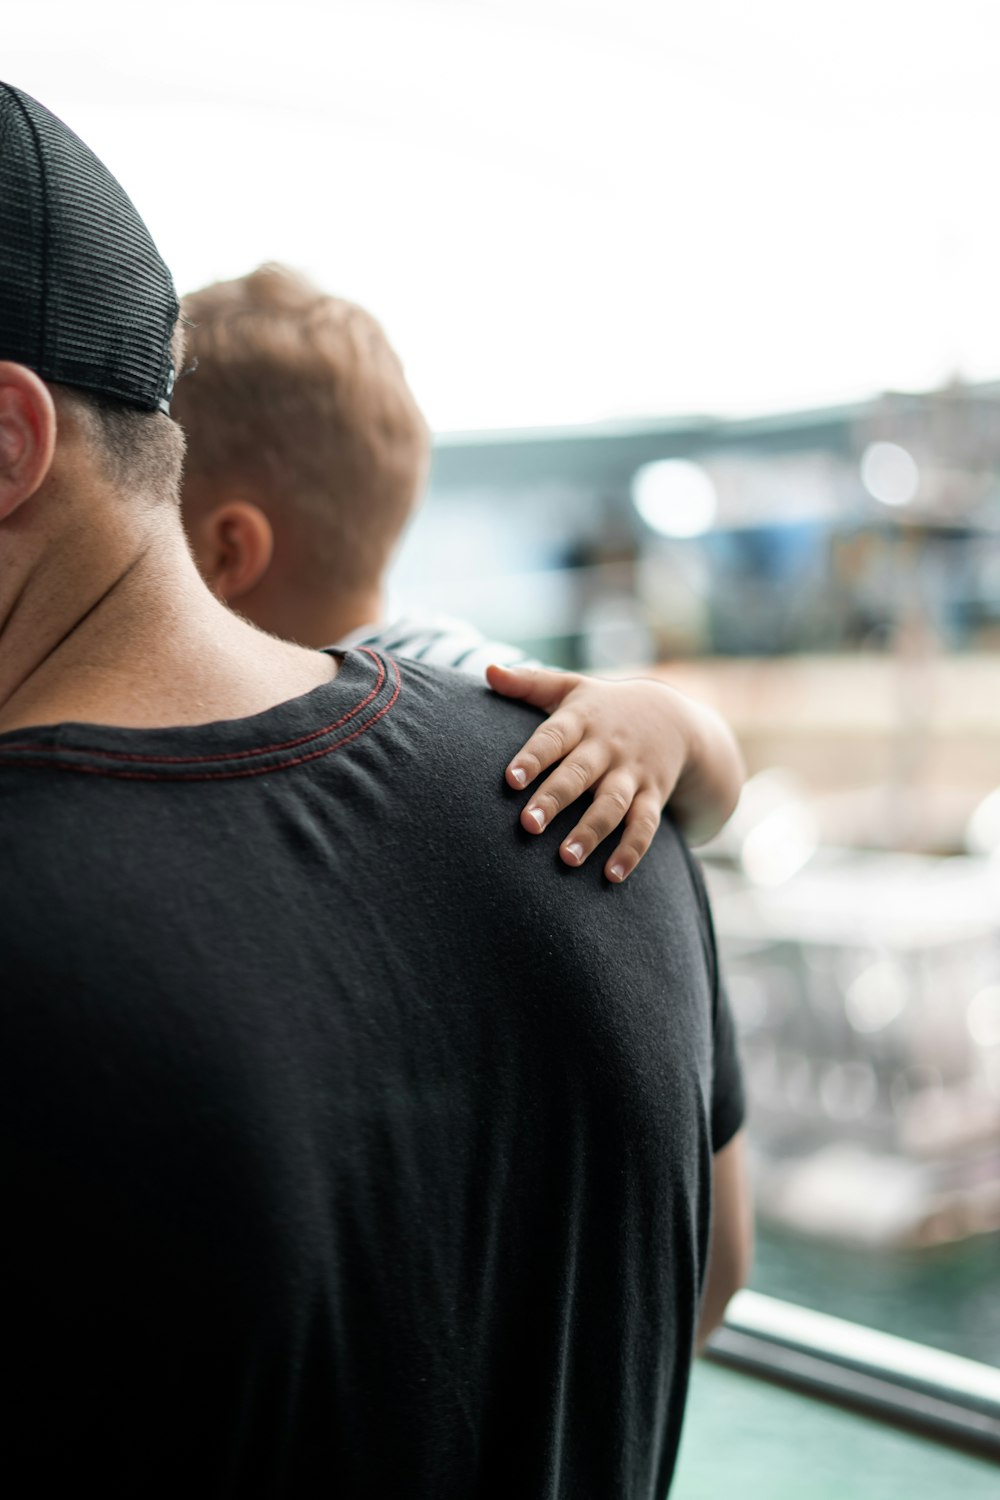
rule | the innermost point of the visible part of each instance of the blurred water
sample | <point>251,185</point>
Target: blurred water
<point>947,1296</point>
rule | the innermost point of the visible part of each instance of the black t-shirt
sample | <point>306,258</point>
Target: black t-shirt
<point>353,1146</point>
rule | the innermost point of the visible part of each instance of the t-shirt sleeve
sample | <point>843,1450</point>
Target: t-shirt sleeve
<point>727,1108</point>
<point>728,1101</point>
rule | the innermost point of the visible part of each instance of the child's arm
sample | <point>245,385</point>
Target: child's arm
<point>636,744</point>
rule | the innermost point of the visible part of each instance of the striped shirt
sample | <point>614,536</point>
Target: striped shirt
<point>440,641</point>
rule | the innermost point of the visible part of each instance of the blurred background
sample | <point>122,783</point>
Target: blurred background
<point>701,301</point>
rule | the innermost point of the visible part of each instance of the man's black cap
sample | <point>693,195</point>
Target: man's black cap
<point>85,299</point>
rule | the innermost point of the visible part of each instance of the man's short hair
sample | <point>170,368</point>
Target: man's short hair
<point>141,453</point>
<point>299,400</point>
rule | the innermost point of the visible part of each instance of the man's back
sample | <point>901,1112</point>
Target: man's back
<point>360,1147</point>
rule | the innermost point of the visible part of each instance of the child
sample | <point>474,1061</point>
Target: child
<point>306,457</point>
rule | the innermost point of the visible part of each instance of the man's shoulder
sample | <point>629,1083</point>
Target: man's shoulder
<point>468,719</point>
<point>465,736</point>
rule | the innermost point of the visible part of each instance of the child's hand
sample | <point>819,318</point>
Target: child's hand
<point>636,744</point>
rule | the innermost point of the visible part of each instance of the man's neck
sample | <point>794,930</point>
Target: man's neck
<point>114,626</point>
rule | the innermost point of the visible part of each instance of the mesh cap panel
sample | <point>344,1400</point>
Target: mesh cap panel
<point>85,298</point>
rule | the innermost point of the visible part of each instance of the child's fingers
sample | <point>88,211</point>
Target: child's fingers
<point>610,805</point>
<point>641,823</point>
<point>570,780</point>
<point>549,743</point>
<point>538,686</point>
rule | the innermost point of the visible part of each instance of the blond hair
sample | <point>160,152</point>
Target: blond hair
<point>298,399</point>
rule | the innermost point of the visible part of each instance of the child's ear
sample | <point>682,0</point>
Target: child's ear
<point>233,546</point>
<point>27,435</point>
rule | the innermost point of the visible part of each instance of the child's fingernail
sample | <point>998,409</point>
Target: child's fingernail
<point>575,851</point>
<point>537,817</point>
<point>518,774</point>
<point>617,872</point>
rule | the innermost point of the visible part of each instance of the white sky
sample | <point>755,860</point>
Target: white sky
<point>565,210</point>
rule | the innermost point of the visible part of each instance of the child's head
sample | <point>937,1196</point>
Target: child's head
<point>305,447</point>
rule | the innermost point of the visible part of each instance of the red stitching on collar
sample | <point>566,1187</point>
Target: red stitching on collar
<point>51,762</point>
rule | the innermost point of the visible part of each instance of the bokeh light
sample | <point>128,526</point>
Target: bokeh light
<point>675,497</point>
<point>889,473</point>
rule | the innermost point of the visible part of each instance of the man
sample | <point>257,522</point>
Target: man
<point>306,1191</point>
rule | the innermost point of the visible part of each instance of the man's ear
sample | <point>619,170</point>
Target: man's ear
<point>233,546</point>
<point>27,435</point>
